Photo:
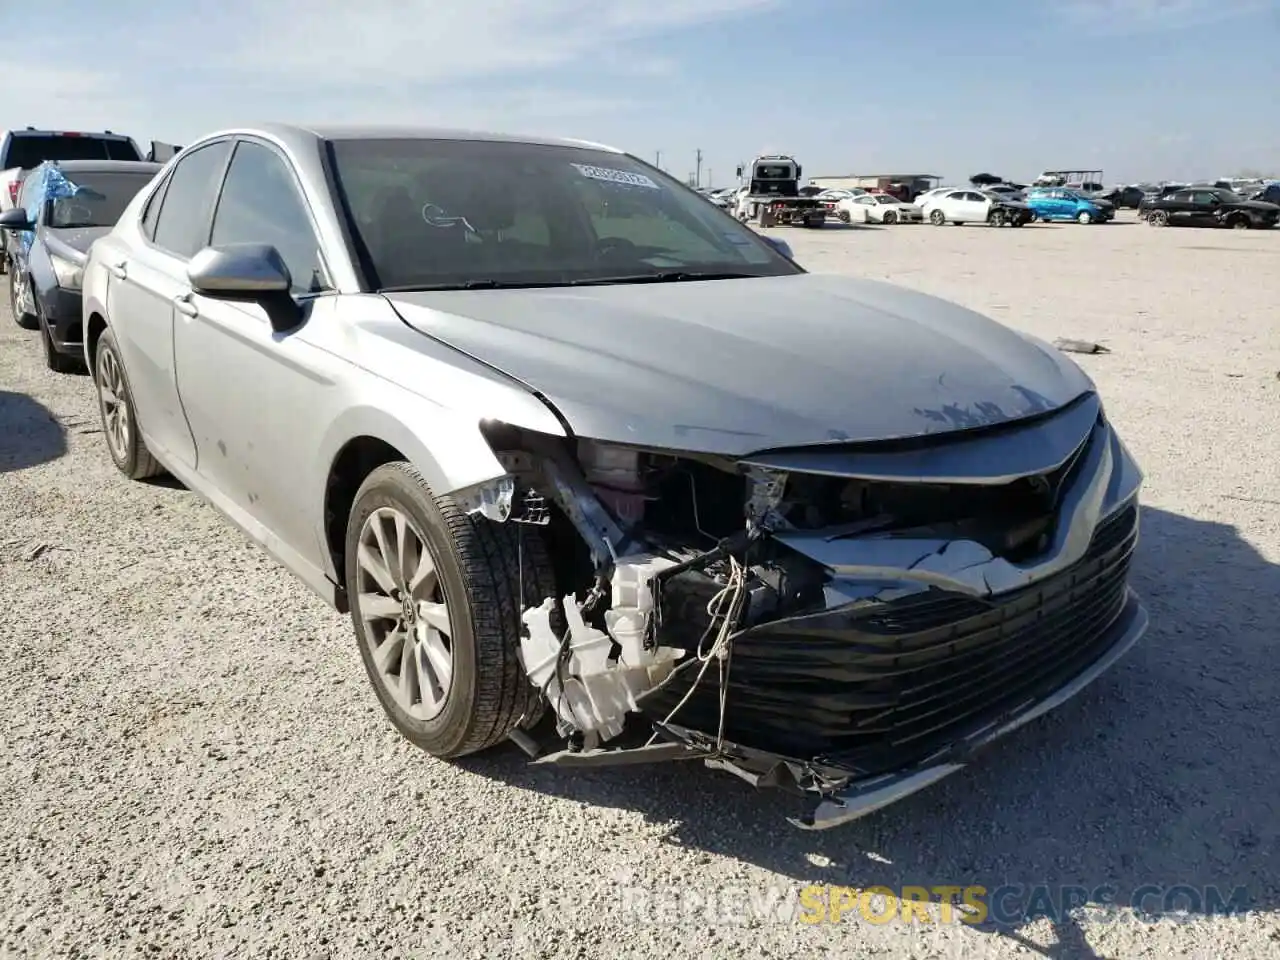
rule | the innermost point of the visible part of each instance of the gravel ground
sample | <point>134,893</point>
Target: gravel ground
<point>195,766</point>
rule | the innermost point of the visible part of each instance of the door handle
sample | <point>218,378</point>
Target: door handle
<point>119,270</point>
<point>184,306</point>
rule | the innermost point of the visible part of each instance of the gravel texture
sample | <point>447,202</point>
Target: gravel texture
<point>194,765</point>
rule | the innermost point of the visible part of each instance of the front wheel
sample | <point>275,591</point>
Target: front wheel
<point>20,302</point>
<point>1158,218</point>
<point>890,218</point>
<point>1084,217</point>
<point>998,219</point>
<point>938,218</point>
<point>119,417</point>
<point>436,598</point>
<point>1239,223</point>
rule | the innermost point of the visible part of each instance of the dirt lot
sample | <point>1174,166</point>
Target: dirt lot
<point>195,767</point>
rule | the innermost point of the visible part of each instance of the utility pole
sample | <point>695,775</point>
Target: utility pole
<point>697,182</point>
<point>657,159</point>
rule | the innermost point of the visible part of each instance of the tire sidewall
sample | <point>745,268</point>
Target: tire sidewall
<point>107,344</point>
<point>393,486</point>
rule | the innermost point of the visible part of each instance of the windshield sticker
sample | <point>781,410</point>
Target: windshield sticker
<point>609,175</point>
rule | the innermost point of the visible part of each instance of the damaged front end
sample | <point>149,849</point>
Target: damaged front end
<point>845,621</point>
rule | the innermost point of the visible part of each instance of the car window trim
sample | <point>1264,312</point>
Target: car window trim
<point>150,241</point>
<point>157,196</point>
<point>292,173</point>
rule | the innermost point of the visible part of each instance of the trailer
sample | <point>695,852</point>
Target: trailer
<point>772,196</point>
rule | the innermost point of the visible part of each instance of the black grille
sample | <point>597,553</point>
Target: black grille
<point>889,686</point>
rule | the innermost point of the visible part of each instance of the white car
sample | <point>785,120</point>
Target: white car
<point>974,206</point>
<point>878,208</point>
<point>925,197</point>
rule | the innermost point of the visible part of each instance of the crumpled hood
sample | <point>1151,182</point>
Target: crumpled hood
<point>75,238</point>
<point>737,366</point>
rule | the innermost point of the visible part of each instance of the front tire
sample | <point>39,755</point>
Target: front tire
<point>889,218</point>
<point>1239,223</point>
<point>1084,217</point>
<point>436,601</point>
<point>1158,218</point>
<point>119,418</point>
<point>18,295</point>
<point>938,218</point>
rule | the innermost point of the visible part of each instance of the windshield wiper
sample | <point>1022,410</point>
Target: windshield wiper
<point>473,285</point>
<point>668,276</point>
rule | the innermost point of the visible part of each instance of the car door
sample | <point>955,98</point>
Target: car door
<point>1180,207</point>
<point>250,393</point>
<point>1205,206</point>
<point>141,294</point>
<point>19,241</point>
<point>974,207</point>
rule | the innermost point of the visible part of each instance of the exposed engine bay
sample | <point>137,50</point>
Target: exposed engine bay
<point>816,628</point>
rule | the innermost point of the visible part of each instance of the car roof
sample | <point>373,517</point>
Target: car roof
<point>303,137</point>
<point>106,166</point>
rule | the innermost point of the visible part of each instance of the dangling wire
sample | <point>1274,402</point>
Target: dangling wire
<point>725,607</point>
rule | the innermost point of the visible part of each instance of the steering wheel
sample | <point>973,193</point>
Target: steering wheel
<point>74,213</point>
<point>614,246</point>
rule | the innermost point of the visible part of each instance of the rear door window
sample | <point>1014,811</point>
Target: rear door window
<point>182,225</point>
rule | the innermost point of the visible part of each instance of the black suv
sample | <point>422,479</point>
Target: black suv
<point>1209,207</point>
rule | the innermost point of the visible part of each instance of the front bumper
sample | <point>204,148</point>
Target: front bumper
<point>63,314</point>
<point>923,651</point>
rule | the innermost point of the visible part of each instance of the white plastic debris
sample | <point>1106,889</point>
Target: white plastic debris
<point>599,690</point>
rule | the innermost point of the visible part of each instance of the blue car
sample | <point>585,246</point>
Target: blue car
<point>1062,203</point>
<point>62,208</point>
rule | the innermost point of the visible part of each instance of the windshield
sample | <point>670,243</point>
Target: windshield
<point>100,200</point>
<point>30,150</point>
<point>1228,196</point>
<point>458,213</point>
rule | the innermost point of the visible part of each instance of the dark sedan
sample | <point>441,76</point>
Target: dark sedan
<point>66,206</point>
<point>1209,207</point>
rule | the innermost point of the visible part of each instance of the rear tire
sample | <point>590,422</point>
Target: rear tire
<point>119,417</point>
<point>476,581</point>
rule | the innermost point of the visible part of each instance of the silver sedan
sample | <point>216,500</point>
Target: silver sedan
<point>595,468</point>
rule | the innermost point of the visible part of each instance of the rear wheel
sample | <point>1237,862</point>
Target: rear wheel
<point>20,302</point>
<point>1158,218</point>
<point>436,598</point>
<point>937,218</point>
<point>119,420</point>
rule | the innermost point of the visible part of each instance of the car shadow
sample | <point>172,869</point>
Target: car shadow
<point>1158,776</point>
<point>29,433</point>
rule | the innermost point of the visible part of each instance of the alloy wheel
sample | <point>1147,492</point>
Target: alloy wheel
<point>116,419</point>
<point>402,603</point>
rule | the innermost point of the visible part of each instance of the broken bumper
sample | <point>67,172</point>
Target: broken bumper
<point>859,795</point>
<point>863,797</point>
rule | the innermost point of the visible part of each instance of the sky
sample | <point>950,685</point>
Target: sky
<point>1141,89</point>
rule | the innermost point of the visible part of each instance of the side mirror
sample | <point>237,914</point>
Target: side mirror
<point>15,219</point>
<point>249,273</point>
<point>779,245</point>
